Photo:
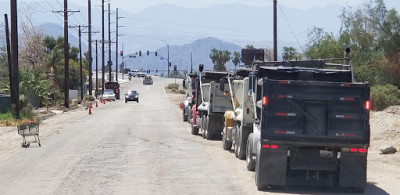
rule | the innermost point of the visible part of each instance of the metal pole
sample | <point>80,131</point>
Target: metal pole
<point>66,56</point>
<point>10,64</point>
<point>116,46</point>
<point>168,59</point>
<point>80,59</point>
<point>191,63</point>
<point>102,48</point>
<point>123,63</point>
<point>90,46</point>
<point>97,71</point>
<point>109,43</point>
<point>14,59</point>
<point>275,32</point>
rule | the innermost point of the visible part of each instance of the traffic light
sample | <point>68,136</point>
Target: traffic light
<point>155,53</point>
<point>122,53</point>
<point>148,52</point>
<point>174,67</point>
<point>201,67</point>
<point>140,53</point>
<point>170,64</point>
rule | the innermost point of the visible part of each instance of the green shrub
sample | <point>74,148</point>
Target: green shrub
<point>173,86</point>
<point>383,96</point>
<point>6,116</point>
<point>27,111</point>
<point>89,98</point>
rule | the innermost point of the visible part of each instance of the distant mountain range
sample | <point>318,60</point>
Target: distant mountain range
<point>184,56</point>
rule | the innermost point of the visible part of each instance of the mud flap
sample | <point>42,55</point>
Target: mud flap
<point>353,170</point>
<point>271,167</point>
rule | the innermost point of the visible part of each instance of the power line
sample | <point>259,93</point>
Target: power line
<point>290,27</point>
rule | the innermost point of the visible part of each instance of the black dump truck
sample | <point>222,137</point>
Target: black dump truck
<point>312,126</point>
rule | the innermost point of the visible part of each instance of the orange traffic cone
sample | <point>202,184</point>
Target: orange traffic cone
<point>109,99</point>
<point>104,101</point>
<point>90,110</point>
<point>181,105</point>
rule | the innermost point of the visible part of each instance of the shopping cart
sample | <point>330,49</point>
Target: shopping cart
<point>29,129</point>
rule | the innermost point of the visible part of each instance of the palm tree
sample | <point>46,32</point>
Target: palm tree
<point>214,57</point>
<point>236,58</point>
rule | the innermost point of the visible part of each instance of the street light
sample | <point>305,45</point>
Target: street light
<point>167,56</point>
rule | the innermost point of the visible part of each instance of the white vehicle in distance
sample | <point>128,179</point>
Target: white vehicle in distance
<point>133,73</point>
<point>109,94</point>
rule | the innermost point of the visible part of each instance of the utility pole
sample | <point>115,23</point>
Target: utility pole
<point>123,63</point>
<point>10,68</point>
<point>97,73</point>
<point>116,47</point>
<point>14,59</point>
<point>191,63</point>
<point>90,46</point>
<point>116,50</point>
<point>80,59</point>
<point>80,56</point>
<point>275,32</point>
<point>109,44</point>
<point>102,47</point>
<point>66,56</point>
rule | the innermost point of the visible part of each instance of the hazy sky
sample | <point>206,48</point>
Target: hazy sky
<point>138,5</point>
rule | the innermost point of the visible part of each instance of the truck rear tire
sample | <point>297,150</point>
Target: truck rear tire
<point>185,117</point>
<point>240,145</point>
<point>208,135</point>
<point>195,129</point>
<point>260,186</point>
<point>202,126</point>
<point>250,163</point>
<point>227,145</point>
<point>189,115</point>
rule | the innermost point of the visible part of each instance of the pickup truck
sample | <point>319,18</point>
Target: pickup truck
<point>311,127</point>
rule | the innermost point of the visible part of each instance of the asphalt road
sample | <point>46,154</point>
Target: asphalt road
<point>129,148</point>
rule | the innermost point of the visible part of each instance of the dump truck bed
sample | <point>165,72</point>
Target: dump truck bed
<point>315,112</point>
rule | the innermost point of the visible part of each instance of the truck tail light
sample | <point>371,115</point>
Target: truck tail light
<point>355,150</point>
<point>267,146</point>
<point>265,101</point>
<point>367,105</point>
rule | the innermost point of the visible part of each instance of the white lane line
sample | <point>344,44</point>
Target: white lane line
<point>165,93</point>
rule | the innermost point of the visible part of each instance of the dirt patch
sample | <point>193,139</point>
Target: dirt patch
<point>385,131</point>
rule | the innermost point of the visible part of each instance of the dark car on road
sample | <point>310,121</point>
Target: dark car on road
<point>132,95</point>
<point>147,80</point>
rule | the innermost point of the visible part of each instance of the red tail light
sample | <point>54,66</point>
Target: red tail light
<point>367,105</point>
<point>265,101</point>
<point>353,150</point>
<point>267,146</point>
<point>362,150</point>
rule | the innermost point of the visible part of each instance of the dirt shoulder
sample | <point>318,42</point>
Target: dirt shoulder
<point>385,131</point>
